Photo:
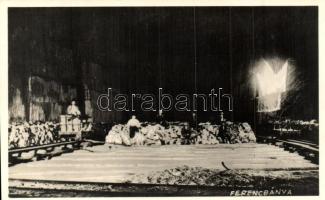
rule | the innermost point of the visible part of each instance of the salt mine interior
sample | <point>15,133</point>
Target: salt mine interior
<point>163,101</point>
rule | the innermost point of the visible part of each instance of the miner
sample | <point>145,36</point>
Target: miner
<point>223,134</point>
<point>161,118</point>
<point>74,112</point>
<point>73,109</point>
<point>193,123</point>
<point>134,125</point>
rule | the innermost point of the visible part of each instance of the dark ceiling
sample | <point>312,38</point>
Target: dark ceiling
<point>182,49</point>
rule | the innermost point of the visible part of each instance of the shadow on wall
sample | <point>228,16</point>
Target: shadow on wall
<point>17,108</point>
<point>47,100</point>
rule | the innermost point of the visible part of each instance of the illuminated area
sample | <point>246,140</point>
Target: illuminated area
<point>271,82</point>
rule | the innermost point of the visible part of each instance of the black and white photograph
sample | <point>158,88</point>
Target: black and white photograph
<point>162,101</point>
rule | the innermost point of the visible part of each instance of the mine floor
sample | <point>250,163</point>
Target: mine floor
<point>117,164</point>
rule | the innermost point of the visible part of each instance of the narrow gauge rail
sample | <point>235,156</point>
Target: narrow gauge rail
<point>49,150</point>
<point>309,150</point>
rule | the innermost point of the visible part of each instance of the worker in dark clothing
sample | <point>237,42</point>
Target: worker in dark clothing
<point>193,121</point>
<point>161,119</point>
<point>223,133</point>
<point>186,134</point>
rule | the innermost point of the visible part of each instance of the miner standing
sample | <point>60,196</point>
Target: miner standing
<point>134,125</point>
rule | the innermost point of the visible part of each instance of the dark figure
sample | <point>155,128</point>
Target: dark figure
<point>194,120</point>
<point>161,119</point>
<point>186,134</point>
<point>223,133</point>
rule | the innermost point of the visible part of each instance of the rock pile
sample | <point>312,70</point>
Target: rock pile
<point>180,133</point>
<point>32,134</point>
<point>185,175</point>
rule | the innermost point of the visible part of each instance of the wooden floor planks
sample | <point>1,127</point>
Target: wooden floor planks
<point>117,163</point>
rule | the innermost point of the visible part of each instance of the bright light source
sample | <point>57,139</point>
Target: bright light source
<point>271,82</point>
<point>271,77</point>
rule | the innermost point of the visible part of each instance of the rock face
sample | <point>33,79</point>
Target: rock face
<point>179,133</point>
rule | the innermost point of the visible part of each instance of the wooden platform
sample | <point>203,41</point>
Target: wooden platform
<point>115,164</point>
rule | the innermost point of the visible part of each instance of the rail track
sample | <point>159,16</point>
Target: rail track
<point>305,148</point>
<point>46,151</point>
